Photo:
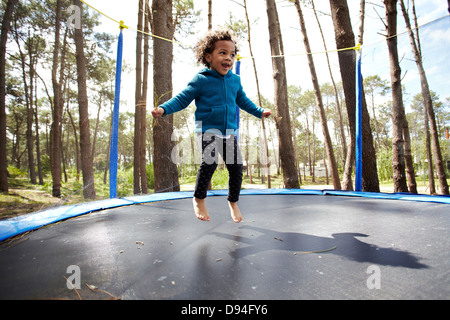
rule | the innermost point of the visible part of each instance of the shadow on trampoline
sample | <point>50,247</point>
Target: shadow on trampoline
<point>346,245</point>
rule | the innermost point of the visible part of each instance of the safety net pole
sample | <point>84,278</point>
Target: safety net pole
<point>113,150</point>
<point>359,144</point>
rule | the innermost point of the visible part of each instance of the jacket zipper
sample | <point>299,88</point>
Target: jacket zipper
<point>226,106</point>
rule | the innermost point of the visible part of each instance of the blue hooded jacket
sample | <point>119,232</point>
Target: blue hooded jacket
<point>216,97</point>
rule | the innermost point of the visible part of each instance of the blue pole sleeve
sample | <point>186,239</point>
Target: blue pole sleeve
<point>359,144</point>
<point>113,150</point>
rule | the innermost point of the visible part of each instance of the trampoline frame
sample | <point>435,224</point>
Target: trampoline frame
<point>17,225</point>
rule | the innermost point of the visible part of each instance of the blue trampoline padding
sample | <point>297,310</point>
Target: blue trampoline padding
<point>392,196</point>
<point>17,225</point>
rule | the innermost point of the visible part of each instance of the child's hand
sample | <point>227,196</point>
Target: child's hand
<point>266,113</point>
<point>158,112</point>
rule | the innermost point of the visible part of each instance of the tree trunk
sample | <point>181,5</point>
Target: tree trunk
<point>55,131</point>
<point>97,121</point>
<point>28,92</point>
<point>32,52</point>
<point>375,121</point>
<point>209,14</point>
<point>282,120</point>
<point>138,105</point>
<point>263,126</point>
<point>143,118</point>
<point>398,149</point>
<point>64,158</point>
<point>140,120</point>
<point>318,95</point>
<point>7,17</point>
<point>105,172</point>
<point>77,151</point>
<point>338,104</point>
<point>409,162</point>
<point>85,136</point>
<point>165,170</point>
<point>345,39</point>
<point>38,142</point>
<point>30,116</point>
<point>308,139</point>
<point>428,104</point>
<point>294,114</point>
<point>431,185</point>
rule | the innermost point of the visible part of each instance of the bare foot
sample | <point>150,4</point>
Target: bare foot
<point>235,212</point>
<point>200,209</point>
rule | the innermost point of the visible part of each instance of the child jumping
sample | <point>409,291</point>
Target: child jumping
<point>216,91</point>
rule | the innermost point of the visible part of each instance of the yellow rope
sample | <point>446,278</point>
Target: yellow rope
<point>119,22</point>
<point>357,47</point>
<point>122,26</point>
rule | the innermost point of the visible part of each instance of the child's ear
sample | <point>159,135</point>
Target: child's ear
<point>208,57</point>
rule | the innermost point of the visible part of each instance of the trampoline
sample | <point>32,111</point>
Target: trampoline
<point>292,244</point>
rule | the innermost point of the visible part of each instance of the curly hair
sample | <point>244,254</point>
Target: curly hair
<point>207,43</point>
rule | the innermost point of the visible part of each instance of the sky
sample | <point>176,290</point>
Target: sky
<point>435,40</point>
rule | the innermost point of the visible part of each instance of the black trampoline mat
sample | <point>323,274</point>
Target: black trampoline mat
<point>160,250</point>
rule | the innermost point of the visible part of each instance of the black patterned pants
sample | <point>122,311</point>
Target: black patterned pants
<point>229,150</point>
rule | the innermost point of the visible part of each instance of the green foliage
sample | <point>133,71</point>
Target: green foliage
<point>124,182</point>
<point>45,163</point>
<point>220,179</point>
<point>15,172</point>
<point>384,164</point>
<point>150,176</point>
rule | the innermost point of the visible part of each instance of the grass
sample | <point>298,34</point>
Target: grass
<point>24,197</point>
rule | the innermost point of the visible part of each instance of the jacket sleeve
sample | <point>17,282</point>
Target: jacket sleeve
<point>246,104</point>
<point>183,99</point>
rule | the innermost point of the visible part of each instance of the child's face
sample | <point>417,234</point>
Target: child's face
<point>223,56</point>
